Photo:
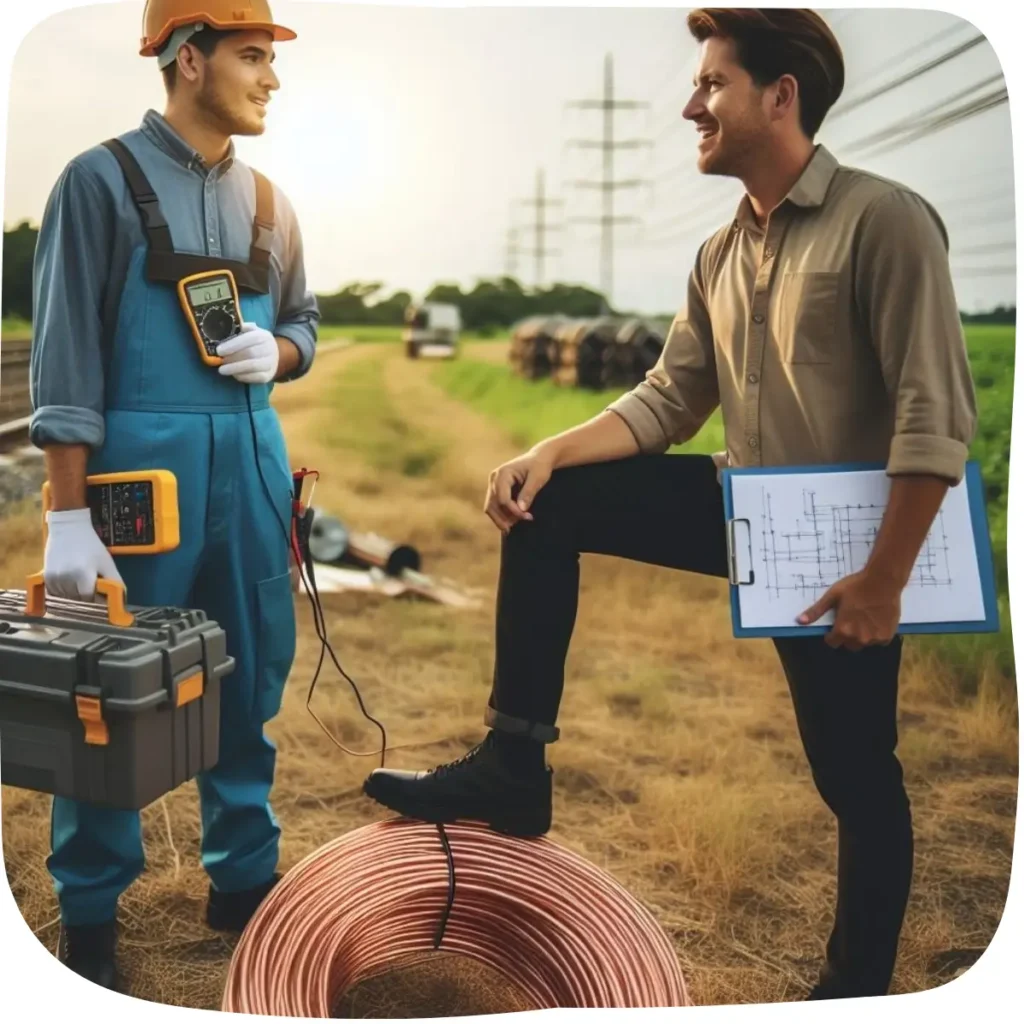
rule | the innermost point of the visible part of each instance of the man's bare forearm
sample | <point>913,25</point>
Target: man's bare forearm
<point>914,502</point>
<point>288,356</point>
<point>66,467</point>
<point>602,439</point>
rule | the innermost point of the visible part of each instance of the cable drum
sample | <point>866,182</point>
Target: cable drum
<point>562,931</point>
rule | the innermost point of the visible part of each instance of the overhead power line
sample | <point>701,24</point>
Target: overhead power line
<point>916,120</point>
<point>959,203</point>
<point>990,247</point>
<point>902,133</point>
<point>965,224</point>
<point>1003,271</point>
<point>608,185</point>
<point>913,50</point>
<point>936,117</point>
<point>541,227</point>
<point>947,120</point>
<point>844,108</point>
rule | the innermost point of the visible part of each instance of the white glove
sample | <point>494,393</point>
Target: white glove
<point>75,556</point>
<point>251,356</point>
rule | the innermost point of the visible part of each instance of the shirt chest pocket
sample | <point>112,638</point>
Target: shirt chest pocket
<point>807,308</point>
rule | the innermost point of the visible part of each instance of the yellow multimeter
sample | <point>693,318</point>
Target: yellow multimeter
<point>134,513</point>
<point>211,304</point>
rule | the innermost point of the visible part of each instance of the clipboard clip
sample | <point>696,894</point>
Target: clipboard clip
<point>730,543</point>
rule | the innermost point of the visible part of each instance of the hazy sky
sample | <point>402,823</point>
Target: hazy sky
<point>403,136</point>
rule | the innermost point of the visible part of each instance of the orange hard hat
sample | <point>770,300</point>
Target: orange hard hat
<point>161,17</point>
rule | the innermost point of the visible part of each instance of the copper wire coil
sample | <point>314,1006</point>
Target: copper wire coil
<point>562,931</point>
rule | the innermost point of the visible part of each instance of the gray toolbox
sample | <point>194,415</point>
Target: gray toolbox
<point>109,714</point>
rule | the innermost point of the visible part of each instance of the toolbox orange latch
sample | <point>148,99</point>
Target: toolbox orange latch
<point>190,689</point>
<point>91,716</point>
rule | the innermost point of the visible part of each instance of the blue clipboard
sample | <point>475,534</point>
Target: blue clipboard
<point>738,533</point>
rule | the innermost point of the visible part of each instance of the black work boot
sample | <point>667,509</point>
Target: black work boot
<point>232,911</point>
<point>502,782</point>
<point>90,951</point>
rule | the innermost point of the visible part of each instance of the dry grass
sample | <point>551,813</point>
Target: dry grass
<point>679,771</point>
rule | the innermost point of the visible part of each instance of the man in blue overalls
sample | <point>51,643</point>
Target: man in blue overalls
<point>118,384</point>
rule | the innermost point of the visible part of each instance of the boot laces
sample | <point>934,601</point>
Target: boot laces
<point>471,755</point>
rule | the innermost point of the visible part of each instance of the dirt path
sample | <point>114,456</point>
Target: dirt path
<point>679,770</point>
<point>488,351</point>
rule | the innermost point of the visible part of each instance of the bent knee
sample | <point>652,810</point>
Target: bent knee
<point>854,792</point>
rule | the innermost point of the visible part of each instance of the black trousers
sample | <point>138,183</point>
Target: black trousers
<point>668,511</point>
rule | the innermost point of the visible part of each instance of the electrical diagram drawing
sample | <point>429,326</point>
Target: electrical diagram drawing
<point>826,542</point>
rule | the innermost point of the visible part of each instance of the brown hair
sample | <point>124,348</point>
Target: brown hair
<point>205,42</point>
<point>772,42</point>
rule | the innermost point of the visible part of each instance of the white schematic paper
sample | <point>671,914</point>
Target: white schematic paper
<point>801,532</point>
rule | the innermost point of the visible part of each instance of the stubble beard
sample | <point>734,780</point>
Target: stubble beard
<point>218,111</point>
<point>733,155</point>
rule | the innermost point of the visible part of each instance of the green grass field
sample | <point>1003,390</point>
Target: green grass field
<point>15,327</point>
<point>533,410</point>
<point>374,333</point>
<point>392,446</point>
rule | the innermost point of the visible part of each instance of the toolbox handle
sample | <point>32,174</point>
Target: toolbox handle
<point>114,591</point>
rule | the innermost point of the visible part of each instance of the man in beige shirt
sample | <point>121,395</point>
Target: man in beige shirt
<point>823,321</point>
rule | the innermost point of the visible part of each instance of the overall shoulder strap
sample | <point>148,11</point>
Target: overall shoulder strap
<point>164,264</point>
<point>145,198</point>
<point>262,223</point>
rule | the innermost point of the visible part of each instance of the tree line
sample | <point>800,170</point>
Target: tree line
<point>490,305</point>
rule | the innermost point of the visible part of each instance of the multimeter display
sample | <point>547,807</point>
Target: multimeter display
<point>122,513</point>
<point>215,291</point>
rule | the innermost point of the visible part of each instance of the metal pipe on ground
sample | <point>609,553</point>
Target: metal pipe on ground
<point>331,542</point>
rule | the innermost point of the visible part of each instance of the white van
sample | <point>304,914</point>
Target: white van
<point>432,329</point>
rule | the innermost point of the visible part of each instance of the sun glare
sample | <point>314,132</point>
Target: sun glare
<point>316,144</point>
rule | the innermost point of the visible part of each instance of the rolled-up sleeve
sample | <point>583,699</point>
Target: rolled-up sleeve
<point>69,274</point>
<point>299,313</point>
<point>905,295</point>
<point>678,395</point>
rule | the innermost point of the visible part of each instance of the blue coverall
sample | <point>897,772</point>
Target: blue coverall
<point>115,366</point>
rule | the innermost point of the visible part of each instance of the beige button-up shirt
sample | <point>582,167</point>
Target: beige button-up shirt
<point>833,335</point>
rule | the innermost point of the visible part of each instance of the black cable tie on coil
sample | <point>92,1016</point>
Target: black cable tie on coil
<point>442,926</point>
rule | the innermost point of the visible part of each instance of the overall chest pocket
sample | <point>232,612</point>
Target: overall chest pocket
<point>808,305</point>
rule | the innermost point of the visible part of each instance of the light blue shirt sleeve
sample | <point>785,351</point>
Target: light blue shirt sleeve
<point>299,314</point>
<point>68,282</point>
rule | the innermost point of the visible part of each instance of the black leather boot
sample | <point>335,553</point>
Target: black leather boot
<point>90,951</point>
<point>231,911</point>
<point>509,789</point>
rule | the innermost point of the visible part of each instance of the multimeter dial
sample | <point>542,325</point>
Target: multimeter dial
<point>217,324</point>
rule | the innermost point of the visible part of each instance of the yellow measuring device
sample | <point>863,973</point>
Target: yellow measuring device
<point>134,512</point>
<point>212,308</point>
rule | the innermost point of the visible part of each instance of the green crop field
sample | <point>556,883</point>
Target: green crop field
<point>533,410</point>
